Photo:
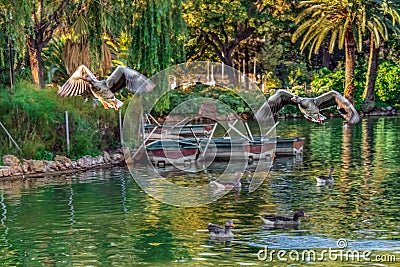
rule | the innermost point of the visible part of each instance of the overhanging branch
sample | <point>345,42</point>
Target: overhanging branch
<point>208,40</point>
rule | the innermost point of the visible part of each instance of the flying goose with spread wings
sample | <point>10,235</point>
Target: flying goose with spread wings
<point>83,80</point>
<point>309,106</point>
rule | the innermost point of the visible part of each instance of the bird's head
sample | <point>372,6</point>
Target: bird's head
<point>295,99</point>
<point>229,224</point>
<point>299,214</point>
<point>87,78</point>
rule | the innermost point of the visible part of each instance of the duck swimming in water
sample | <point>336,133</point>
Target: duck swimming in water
<point>217,232</point>
<point>325,180</point>
<point>277,221</point>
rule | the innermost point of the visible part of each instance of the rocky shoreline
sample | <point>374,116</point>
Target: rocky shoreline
<point>15,167</point>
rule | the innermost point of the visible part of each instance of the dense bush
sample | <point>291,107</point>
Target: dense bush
<point>36,120</point>
<point>387,88</point>
<point>326,80</point>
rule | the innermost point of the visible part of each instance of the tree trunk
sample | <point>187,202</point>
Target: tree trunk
<point>227,58</point>
<point>35,55</point>
<point>368,95</point>
<point>350,50</point>
<point>10,56</point>
<point>326,56</point>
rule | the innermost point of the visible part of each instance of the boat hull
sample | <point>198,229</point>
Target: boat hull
<point>186,151</point>
<point>289,147</point>
<point>224,149</point>
<point>261,149</point>
<point>172,152</point>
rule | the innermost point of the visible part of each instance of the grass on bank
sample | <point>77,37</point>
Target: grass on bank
<point>36,120</point>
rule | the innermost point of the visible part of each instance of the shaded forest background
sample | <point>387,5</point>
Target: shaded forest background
<point>309,47</point>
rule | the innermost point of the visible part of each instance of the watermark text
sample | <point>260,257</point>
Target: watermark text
<point>341,253</point>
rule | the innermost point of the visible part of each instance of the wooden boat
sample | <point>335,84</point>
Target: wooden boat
<point>166,152</point>
<point>170,148</point>
<point>186,151</point>
<point>260,149</point>
<point>224,148</point>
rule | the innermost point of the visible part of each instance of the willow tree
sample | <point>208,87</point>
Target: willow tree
<point>158,33</point>
<point>12,39</point>
<point>341,21</point>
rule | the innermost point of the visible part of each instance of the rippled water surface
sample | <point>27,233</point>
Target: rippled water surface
<point>103,218</point>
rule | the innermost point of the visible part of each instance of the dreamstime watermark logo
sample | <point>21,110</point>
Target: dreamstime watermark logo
<point>341,253</point>
<point>136,132</point>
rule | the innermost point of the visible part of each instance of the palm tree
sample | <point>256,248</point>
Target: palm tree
<point>343,21</point>
<point>384,15</point>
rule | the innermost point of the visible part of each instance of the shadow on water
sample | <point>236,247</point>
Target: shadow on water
<point>102,217</point>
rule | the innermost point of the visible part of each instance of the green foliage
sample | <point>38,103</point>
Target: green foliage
<point>298,74</point>
<point>157,33</point>
<point>344,23</point>
<point>393,50</point>
<point>152,35</point>
<point>327,80</point>
<point>292,74</point>
<point>13,13</point>
<point>387,87</point>
<point>44,154</point>
<point>52,58</point>
<point>85,139</point>
<point>36,120</point>
<point>230,99</point>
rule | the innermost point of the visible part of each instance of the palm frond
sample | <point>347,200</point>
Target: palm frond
<point>342,35</point>
<point>321,37</point>
<point>357,33</point>
<point>333,40</point>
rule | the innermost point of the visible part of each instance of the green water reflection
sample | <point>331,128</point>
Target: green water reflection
<point>102,218</point>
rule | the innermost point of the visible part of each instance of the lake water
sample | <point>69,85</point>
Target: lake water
<point>103,218</point>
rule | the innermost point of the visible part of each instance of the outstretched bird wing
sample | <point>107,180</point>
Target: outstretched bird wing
<point>76,84</point>
<point>274,104</point>
<point>129,78</point>
<point>346,109</point>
